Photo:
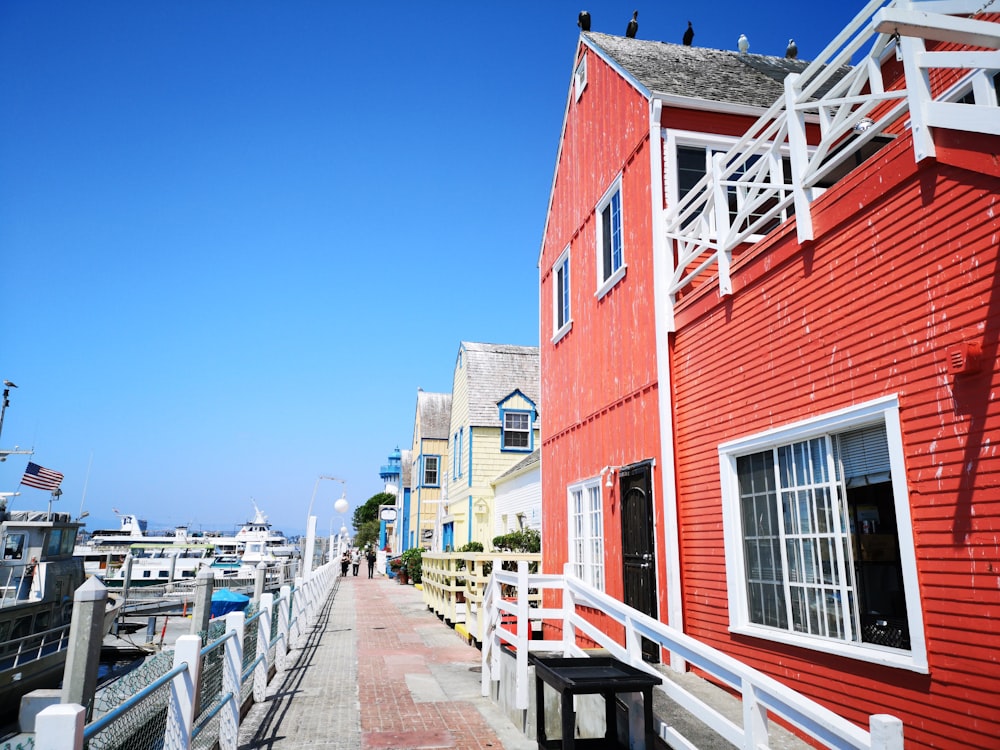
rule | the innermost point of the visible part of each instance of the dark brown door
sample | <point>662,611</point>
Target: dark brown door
<point>635,485</point>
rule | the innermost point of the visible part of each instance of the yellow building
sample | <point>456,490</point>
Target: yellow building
<point>429,455</point>
<point>494,425</point>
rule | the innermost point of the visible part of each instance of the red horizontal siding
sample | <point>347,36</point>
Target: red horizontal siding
<point>904,265</point>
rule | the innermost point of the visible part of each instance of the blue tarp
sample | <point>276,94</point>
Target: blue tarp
<point>225,601</point>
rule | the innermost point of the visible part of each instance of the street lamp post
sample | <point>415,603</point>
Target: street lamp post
<point>307,563</point>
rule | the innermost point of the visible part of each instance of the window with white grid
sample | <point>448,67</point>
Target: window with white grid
<point>586,531</point>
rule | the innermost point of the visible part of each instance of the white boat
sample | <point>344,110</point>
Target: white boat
<point>255,542</point>
<point>38,576</point>
<point>156,558</point>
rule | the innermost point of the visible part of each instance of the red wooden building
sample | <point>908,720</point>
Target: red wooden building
<point>769,347</point>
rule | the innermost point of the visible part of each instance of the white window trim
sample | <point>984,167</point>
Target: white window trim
<point>605,285</point>
<point>887,409</point>
<point>566,327</point>
<point>588,564</point>
<point>580,77</point>
<point>504,448</point>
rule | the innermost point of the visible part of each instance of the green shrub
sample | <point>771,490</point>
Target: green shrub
<point>413,558</point>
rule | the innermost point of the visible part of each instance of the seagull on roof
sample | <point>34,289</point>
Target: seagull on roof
<point>688,35</point>
<point>9,384</point>
<point>793,50</point>
<point>583,20</point>
<point>743,43</point>
<point>633,25</point>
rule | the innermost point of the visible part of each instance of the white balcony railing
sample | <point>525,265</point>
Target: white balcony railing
<point>772,171</point>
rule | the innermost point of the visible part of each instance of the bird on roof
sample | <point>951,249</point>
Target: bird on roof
<point>9,384</point>
<point>793,50</point>
<point>688,35</point>
<point>583,20</point>
<point>633,25</point>
<point>743,43</point>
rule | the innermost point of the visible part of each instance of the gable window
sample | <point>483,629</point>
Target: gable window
<point>610,254</point>
<point>516,430</point>
<point>432,466</point>
<point>818,545</point>
<point>586,531</point>
<point>561,321</point>
<point>580,78</point>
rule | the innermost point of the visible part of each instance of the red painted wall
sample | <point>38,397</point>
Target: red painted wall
<point>598,385</point>
<point>904,265</point>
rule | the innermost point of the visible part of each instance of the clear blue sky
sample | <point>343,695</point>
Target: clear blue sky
<point>236,237</point>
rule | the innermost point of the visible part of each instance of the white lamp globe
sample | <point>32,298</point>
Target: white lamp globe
<point>341,505</point>
<point>343,531</point>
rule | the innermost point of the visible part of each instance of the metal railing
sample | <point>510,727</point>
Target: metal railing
<point>199,701</point>
<point>762,696</point>
<point>33,647</point>
<point>778,167</point>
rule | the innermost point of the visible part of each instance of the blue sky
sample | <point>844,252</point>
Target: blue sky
<point>236,237</point>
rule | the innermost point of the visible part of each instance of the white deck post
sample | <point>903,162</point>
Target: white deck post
<point>232,669</point>
<point>263,648</point>
<point>284,615</point>
<point>60,727</point>
<point>183,693</point>
<point>569,612</point>
<point>886,732</point>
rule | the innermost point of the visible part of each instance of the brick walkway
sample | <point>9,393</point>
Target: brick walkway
<point>380,672</point>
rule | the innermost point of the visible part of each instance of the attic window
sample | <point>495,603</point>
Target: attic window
<point>580,77</point>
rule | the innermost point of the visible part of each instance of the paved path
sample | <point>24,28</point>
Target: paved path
<point>378,671</point>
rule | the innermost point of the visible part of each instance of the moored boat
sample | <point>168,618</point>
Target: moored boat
<point>38,576</point>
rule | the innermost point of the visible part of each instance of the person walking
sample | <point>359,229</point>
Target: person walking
<point>345,561</point>
<point>355,561</point>
<point>370,557</point>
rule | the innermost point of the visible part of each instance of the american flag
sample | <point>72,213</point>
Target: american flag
<point>41,478</point>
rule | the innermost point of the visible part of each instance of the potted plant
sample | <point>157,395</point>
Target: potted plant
<point>413,563</point>
<point>396,566</point>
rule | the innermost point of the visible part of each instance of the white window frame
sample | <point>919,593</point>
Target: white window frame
<point>580,78</point>
<point>608,277</point>
<point>585,531</point>
<point>561,300</point>
<point>437,469</point>
<point>884,410</point>
<point>505,430</point>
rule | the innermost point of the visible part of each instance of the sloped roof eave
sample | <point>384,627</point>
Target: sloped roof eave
<point>628,77</point>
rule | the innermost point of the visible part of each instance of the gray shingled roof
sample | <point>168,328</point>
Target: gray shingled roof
<point>699,72</point>
<point>435,414</point>
<point>493,372</point>
<point>532,459</point>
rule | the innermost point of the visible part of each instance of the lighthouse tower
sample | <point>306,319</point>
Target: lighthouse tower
<point>391,472</point>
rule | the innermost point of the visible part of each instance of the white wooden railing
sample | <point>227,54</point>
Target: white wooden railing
<point>762,696</point>
<point>750,189</point>
<point>62,727</point>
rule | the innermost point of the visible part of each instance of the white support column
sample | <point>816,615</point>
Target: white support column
<point>521,687</point>
<point>232,668</point>
<point>720,197</point>
<point>263,648</point>
<point>918,93</point>
<point>183,694</point>
<point>798,153</point>
<point>60,727</point>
